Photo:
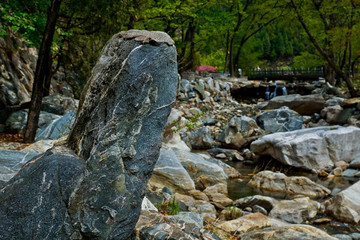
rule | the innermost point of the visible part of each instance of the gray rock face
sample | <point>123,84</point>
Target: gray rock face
<point>280,120</point>
<point>239,131</point>
<point>266,202</point>
<point>345,206</point>
<point>117,135</point>
<point>313,148</point>
<point>34,202</point>
<point>304,105</point>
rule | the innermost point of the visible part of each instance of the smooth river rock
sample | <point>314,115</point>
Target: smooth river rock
<point>279,184</point>
<point>93,189</point>
<point>345,206</point>
<point>312,148</point>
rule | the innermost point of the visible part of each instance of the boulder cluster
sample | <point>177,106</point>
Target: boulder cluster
<point>133,162</point>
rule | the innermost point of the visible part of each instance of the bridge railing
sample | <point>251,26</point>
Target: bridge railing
<point>286,74</point>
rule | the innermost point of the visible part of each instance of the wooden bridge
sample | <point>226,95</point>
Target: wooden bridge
<point>286,74</point>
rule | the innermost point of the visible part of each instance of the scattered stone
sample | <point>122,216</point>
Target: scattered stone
<point>201,139</point>
<point>304,105</point>
<point>279,120</point>
<point>322,221</point>
<point>345,206</point>
<point>203,172</point>
<point>169,172</point>
<point>314,148</point>
<point>204,208</point>
<point>355,163</point>
<point>218,194</point>
<point>294,231</point>
<point>279,183</point>
<point>198,195</point>
<point>239,132</point>
<point>266,202</point>
<point>59,104</point>
<point>297,211</point>
<point>351,102</point>
<point>245,224</point>
<point>349,173</point>
<point>342,237</point>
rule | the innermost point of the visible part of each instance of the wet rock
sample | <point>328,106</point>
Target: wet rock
<point>298,210</point>
<point>313,148</point>
<point>345,206</point>
<point>58,104</point>
<point>201,139</point>
<point>304,105</point>
<point>96,193</point>
<point>203,172</point>
<point>57,129</point>
<point>169,172</point>
<point>295,231</point>
<point>240,131</point>
<point>280,120</point>
<point>266,202</point>
<point>278,182</point>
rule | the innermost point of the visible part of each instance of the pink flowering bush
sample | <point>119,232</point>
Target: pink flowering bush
<point>206,68</point>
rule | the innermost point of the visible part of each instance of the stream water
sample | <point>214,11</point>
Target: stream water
<point>239,188</point>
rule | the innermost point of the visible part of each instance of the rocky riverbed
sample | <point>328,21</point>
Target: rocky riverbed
<point>287,168</point>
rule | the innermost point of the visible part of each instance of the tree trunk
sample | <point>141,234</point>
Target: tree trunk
<point>329,74</point>
<point>329,60</point>
<point>226,52</point>
<point>42,71</point>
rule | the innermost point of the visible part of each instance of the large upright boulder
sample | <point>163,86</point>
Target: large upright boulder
<point>312,148</point>
<point>93,189</point>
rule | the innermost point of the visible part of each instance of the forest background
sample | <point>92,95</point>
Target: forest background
<point>227,34</point>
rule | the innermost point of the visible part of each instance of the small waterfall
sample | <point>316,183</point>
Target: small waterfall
<point>279,91</point>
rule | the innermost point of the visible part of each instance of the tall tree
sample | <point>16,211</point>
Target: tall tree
<point>336,19</point>
<point>42,72</point>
